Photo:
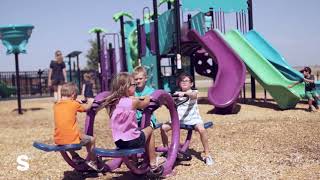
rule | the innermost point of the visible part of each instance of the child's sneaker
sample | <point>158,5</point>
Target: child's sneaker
<point>310,109</point>
<point>208,160</point>
<point>93,165</point>
<point>159,162</point>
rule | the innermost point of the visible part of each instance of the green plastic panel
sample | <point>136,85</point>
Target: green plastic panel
<point>166,31</point>
<point>148,63</point>
<point>130,31</point>
<point>198,23</point>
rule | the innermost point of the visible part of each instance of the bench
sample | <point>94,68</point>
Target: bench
<point>50,148</point>
<point>116,153</point>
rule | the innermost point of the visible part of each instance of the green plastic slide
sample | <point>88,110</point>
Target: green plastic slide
<point>265,73</point>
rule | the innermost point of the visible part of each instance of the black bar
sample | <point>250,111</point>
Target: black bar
<point>139,39</point>
<point>111,66</point>
<point>156,33</point>
<point>123,42</point>
<point>191,61</point>
<point>99,58</point>
<point>212,17</point>
<point>110,53</point>
<point>78,73</point>
<point>169,5</point>
<point>18,82</point>
<point>70,69</point>
<point>26,85</point>
<point>178,28</point>
<point>244,93</point>
<point>40,83</point>
<point>250,21</point>
<point>250,14</point>
<point>189,21</point>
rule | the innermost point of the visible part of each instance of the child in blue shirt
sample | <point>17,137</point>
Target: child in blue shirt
<point>140,77</point>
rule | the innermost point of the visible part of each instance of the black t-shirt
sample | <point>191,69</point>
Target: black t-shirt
<point>57,73</point>
<point>88,90</point>
<point>309,86</point>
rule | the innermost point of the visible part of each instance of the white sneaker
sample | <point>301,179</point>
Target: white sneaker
<point>209,161</point>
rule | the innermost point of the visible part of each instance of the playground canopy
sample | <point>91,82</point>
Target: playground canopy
<point>226,6</point>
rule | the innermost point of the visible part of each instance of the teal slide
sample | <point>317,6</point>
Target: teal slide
<point>265,73</point>
<point>273,56</point>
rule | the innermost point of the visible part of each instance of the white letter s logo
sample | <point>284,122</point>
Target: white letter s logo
<point>23,165</point>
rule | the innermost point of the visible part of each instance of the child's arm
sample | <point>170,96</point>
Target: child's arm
<point>308,80</point>
<point>298,82</point>
<point>141,102</point>
<point>88,105</point>
<point>191,94</point>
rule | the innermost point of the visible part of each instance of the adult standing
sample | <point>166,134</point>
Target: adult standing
<point>57,75</point>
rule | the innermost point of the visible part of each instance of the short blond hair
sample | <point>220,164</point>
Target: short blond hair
<point>69,89</point>
<point>140,69</point>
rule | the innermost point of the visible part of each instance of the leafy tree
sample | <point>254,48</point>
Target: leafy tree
<point>92,56</point>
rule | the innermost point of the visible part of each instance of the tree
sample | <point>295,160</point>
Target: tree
<point>92,56</point>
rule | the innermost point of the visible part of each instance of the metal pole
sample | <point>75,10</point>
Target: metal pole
<point>178,28</point>
<point>40,83</point>
<point>212,17</point>
<point>70,69</point>
<point>156,33</point>
<point>169,5</point>
<point>18,82</point>
<point>139,39</point>
<point>191,61</point>
<point>224,23</point>
<point>111,65</point>
<point>100,59</point>
<point>123,42</point>
<point>250,21</point>
<point>78,73</point>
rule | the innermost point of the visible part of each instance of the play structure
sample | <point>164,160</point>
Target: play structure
<point>166,45</point>
<point>160,98</point>
<point>15,39</point>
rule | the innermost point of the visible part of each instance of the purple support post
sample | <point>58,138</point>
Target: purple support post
<point>152,39</point>
<point>103,66</point>
<point>143,40</point>
<point>121,60</point>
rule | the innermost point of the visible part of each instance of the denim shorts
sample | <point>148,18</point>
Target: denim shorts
<point>139,142</point>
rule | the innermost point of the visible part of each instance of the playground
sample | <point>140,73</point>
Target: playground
<point>260,112</point>
<point>260,141</point>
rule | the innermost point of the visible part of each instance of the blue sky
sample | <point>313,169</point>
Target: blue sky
<point>292,26</point>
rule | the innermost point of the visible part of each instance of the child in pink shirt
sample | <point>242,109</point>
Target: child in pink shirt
<point>122,106</point>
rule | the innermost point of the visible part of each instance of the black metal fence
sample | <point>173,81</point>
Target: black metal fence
<point>35,83</point>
